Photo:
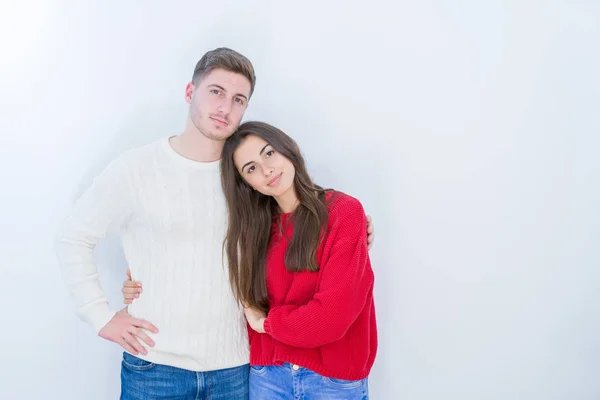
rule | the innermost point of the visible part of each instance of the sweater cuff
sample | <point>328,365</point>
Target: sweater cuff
<point>98,315</point>
<point>267,326</point>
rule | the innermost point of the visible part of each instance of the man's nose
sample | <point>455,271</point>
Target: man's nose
<point>224,106</point>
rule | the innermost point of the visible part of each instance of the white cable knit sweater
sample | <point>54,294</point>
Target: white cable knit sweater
<point>171,214</point>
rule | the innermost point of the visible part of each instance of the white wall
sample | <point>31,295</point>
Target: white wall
<point>469,129</point>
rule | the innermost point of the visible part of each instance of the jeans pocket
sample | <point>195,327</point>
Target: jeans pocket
<point>258,369</point>
<point>342,383</point>
<point>133,363</point>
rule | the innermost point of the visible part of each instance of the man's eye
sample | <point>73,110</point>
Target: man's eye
<point>240,101</point>
<point>215,91</point>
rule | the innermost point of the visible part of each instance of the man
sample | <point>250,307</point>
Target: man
<point>165,200</point>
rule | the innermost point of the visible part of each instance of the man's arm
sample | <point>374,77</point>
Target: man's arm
<point>101,209</point>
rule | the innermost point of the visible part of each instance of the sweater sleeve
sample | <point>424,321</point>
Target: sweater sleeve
<point>346,281</point>
<point>101,209</point>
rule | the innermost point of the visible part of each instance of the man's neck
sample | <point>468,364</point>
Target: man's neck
<point>194,145</point>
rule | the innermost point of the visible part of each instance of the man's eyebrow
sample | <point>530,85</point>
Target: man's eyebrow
<point>217,86</point>
<point>223,89</point>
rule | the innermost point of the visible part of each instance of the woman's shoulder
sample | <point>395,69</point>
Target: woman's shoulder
<point>340,204</point>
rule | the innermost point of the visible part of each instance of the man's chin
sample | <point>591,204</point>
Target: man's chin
<point>219,136</point>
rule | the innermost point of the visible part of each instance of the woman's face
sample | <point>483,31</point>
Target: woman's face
<point>263,168</point>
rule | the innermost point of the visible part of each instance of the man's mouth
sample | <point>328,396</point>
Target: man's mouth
<point>220,121</point>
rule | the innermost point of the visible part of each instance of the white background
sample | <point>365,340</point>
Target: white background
<point>468,129</point>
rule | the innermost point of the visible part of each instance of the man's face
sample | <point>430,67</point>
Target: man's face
<point>217,103</point>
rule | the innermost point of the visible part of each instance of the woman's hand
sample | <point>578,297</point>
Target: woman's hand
<point>131,289</point>
<point>255,318</point>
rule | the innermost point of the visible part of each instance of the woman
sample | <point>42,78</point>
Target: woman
<point>298,261</point>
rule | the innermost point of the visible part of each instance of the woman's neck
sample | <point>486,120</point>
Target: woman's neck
<point>288,201</point>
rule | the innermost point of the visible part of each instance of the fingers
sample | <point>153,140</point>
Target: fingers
<point>140,323</point>
<point>371,238</point>
<point>129,298</point>
<point>131,290</point>
<point>370,232</point>
<point>128,272</point>
<point>127,347</point>
<point>132,284</point>
<point>142,335</point>
<point>128,290</point>
<point>133,342</point>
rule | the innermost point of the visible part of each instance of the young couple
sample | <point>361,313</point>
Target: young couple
<point>221,216</point>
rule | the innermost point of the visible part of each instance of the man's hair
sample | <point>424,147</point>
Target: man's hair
<point>226,59</point>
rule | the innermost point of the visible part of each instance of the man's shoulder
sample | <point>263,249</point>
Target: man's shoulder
<point>151,149</point>
<point>142,154</point>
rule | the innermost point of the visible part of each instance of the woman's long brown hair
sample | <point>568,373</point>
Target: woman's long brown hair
<point>251,216</point>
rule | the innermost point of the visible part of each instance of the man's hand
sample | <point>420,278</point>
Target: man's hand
<point>125,330</point>
<point>370,232</point>
<point>256,319</point>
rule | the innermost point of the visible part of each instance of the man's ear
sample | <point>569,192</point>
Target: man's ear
<point>189,92</point>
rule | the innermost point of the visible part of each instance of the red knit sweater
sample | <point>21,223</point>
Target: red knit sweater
<point>325,320</point>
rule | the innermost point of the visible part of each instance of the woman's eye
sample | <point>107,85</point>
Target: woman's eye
<point>252,168</point>
<point>269,153</point>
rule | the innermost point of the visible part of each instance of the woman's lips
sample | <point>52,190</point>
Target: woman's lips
<point>274,180</point>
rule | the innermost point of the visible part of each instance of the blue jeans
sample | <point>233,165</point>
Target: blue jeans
<point>143,380</point>
<point>294,382</point>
